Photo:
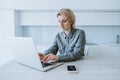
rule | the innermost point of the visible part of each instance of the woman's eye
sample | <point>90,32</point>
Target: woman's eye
<point>64,21</point>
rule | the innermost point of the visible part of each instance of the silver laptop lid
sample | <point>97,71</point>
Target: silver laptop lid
<point>25,52</point>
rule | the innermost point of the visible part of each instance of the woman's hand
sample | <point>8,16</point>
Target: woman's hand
<point>41,55</point>
<point>50,56</point>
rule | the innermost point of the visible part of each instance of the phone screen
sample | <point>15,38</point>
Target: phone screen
<point>71,68</point>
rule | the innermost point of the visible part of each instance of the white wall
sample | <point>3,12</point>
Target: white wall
<point>6,4</point>
<point>73,4</point>
<point>38,12</point>
<point>99,18</point>
<point>6,30</point>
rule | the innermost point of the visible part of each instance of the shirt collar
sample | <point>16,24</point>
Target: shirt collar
<point>70,33</point>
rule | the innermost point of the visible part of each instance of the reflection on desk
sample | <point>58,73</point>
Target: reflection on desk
<point>90,68</point>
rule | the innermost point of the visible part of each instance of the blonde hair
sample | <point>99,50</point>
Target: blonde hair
<point>69,15</point>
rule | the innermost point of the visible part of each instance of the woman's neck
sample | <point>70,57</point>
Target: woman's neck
<point>68,31</point>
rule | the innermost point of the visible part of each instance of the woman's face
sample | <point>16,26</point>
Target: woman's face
<point>64,23</point>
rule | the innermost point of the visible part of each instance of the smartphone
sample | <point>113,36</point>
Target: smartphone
<point>72,69</point>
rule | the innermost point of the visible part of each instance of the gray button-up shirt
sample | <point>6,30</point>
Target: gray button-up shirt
<point>70,47</point>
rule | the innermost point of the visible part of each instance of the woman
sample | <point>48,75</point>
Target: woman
<point>70,43</point>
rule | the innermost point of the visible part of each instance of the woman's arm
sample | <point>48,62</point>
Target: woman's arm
<point>53,49</point>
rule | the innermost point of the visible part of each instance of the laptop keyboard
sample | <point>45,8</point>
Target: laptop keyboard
<point>45,64</point>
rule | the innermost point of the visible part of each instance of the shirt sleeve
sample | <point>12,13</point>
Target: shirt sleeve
<point>53,49</point>
<point>75,52</point>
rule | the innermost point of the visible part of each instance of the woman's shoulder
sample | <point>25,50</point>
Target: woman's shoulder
<point>79,30</point>
<point>59,34</point>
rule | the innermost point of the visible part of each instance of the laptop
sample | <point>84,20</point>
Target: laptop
<point>25,53</point>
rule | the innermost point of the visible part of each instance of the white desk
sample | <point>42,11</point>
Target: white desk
<point>90,68</point>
